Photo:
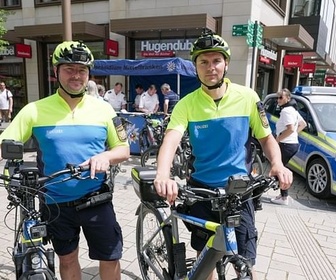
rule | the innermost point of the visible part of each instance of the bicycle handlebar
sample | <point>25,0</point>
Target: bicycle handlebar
<point>75,172</point>
<point>239,186</point>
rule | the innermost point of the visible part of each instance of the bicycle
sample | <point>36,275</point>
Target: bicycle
<point>31,258</point>
<point>160,253</point>
<point>181,162</point>
<point>151,134</point>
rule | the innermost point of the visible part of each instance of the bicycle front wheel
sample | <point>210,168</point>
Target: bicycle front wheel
<point>149,157</point>
<point>154,245</point>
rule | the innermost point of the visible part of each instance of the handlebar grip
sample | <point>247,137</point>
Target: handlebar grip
<point>84,168</point>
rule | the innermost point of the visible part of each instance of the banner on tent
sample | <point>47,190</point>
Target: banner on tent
<point>144,67</point>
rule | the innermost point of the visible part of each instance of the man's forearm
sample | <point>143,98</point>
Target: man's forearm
<point>271,150</point>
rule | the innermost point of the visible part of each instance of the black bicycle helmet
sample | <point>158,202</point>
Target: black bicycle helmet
<point>210,42</point>
<point>72,52</point>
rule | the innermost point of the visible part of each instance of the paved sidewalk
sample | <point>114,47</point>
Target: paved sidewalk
<point>296,242</point>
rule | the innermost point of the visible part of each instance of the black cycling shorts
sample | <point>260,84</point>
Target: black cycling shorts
<point>99,225</point>
<point>246,233</point>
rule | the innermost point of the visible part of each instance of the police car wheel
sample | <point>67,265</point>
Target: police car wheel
<point>318,178</point>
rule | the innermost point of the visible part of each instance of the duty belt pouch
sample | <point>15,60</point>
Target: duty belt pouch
<point>95,200</point>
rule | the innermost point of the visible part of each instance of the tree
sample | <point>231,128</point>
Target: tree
<point>3,30</point>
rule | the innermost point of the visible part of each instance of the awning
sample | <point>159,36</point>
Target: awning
<point>80,30</point>
<point>11,37</point>
<point>164,26</point>
<point>324,60</point>
<point>290,37</point>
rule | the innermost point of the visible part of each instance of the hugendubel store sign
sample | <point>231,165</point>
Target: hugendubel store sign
<point>18,50</point>
<point>164,48</point>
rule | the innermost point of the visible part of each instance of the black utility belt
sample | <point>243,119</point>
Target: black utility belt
<point>87,201</point>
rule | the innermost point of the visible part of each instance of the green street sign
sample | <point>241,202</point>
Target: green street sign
<point>239,30</point>
<point>320,73</point>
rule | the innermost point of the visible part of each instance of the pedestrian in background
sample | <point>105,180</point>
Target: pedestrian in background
<point>149,101</point>
<point>6,103</point>
<point>288,126</point>
<point>116,97</point>
<point>169,100</point>
<point>139,91</point>
<point>92,89</point>
<point>72,127</point>
<point>101,90</point>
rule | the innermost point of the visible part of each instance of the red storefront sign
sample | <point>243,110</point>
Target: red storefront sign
<point>308,68</point>
<point>330,79</point>
<point>293,60</point>
<point>158,54</point>
<point>22,50</point>
<point>264,59</point>
<point>111,47</point>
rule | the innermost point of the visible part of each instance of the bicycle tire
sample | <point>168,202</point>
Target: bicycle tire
<point>159,250</point>
<point>149,156</point>
<point>257,166</point>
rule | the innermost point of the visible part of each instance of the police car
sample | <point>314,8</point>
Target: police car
<point>316,158</point>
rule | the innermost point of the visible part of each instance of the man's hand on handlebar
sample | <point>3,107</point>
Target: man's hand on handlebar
<point>284,175</point>
<point>98,164</point>
<point>166,187</point>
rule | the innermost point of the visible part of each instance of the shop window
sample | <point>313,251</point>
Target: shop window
<point>51,81</point>
<point>46,1</point>
<point>42,2</point>
<point>10,3</point>
<point>12,75</point>
<point>279,5</point>
<point>305,8</point>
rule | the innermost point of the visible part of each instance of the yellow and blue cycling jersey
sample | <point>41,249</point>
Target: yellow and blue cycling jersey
<point>66,136</point>
<point>219,133</point>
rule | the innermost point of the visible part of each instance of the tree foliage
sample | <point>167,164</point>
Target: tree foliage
<point>3,30</point>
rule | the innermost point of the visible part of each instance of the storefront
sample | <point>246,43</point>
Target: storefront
<point>12,72</point>
<point>266,71</point>
<point>51,83</point>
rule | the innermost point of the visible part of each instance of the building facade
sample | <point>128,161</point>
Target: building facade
<point>138,29</point>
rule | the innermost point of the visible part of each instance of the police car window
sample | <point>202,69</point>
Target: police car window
<point>271,106</point>
<point>325,113</point>
<point>305,114</point>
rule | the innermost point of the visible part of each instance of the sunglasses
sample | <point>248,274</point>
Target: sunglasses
<point>280,97</point>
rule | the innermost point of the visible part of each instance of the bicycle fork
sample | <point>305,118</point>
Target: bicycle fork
<point>222,243</point>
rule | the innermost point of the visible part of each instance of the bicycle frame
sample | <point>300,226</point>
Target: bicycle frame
<point>159,249</point>
<point>214,250</point>
<point>30,257</point>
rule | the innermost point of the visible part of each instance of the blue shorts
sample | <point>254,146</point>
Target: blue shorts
<point>246,233</point>
<point>101,230</point>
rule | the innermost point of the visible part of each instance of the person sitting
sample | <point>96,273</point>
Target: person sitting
<point>139,91</point>
<point>149,101</point>
<point>116,97</point>
<point>170,99</point>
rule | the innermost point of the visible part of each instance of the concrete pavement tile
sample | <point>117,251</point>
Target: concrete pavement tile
<point>287,268</point>
<point>264,251</point>
<point>294,276</point>
<point>262,263</point>
<point>275,274</point>
<point>285,258</point>
<point>284,251</point>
